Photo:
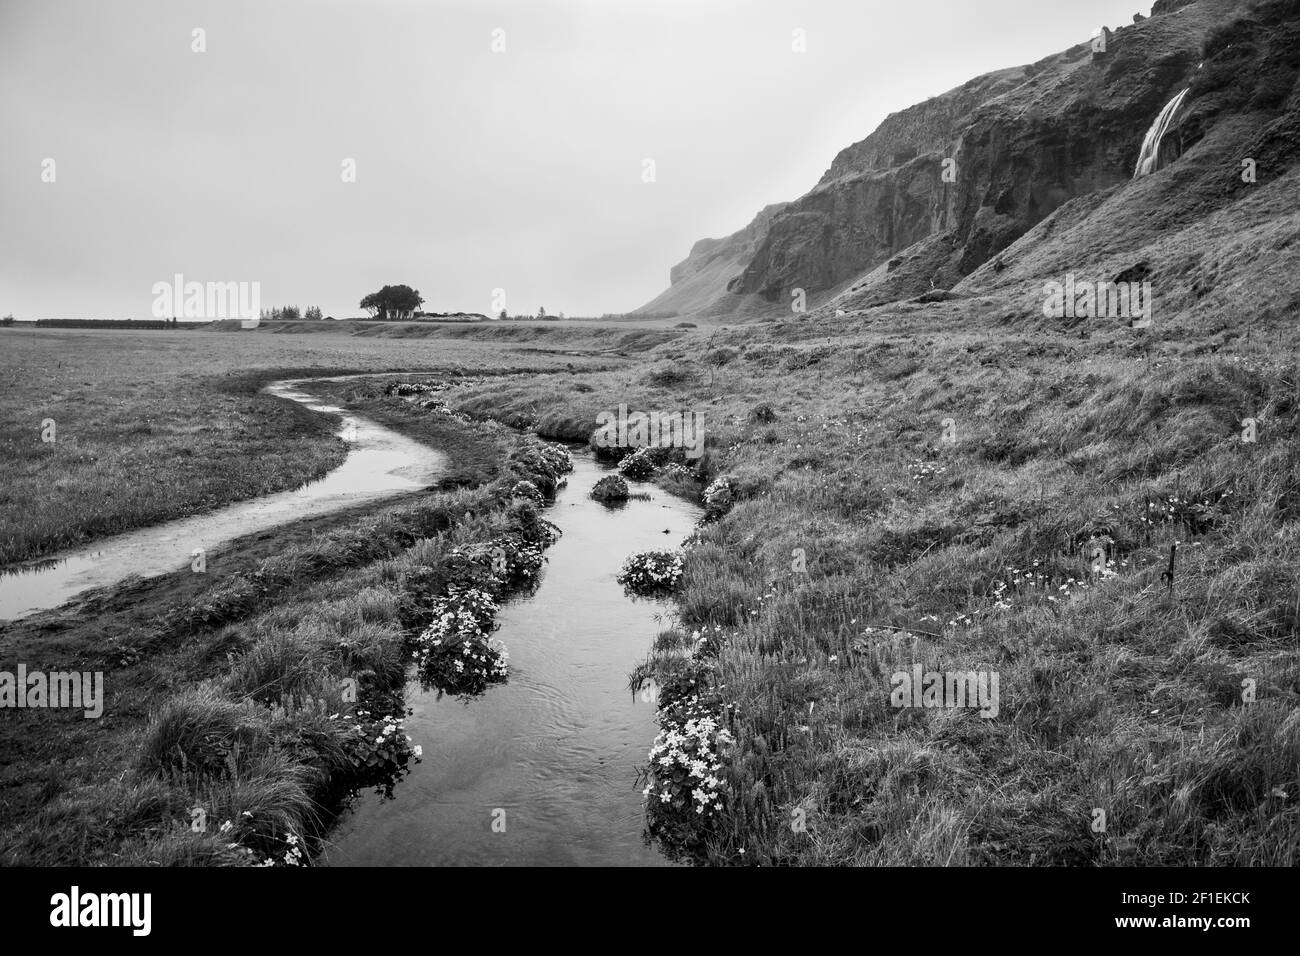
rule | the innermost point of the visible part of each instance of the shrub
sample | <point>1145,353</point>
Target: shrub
<point>720,356</point>
<point>667,376</point>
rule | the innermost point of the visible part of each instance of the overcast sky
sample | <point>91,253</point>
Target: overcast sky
<point>475,170</point>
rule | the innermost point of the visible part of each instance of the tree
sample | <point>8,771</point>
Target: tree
<point>313,312</point>
<point>7,320</point>
<point>541,311</point>
<point>393,302</point>
<point>503,315</point>
<point>290,312</point>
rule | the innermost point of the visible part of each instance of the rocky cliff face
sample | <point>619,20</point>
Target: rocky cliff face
<point>697,279</point>
<point>880,195</point>
<point>1215,229</point>
<point>1019,143</point>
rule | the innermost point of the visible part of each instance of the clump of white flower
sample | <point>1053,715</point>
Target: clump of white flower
<point>651,572</point>
<point>454,653</point>
<point>718,497</point>
<point>639,465</point>
<point>526,489</point>
<point>685,765</point>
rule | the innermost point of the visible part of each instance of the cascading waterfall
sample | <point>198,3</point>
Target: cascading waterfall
<point>1150,155</point>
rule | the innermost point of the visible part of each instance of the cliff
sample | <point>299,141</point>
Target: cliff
<point>886,223</point>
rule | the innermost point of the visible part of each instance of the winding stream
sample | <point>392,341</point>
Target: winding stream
<point>380,463</point>
<point>551,755</point>
<point>557,747</point>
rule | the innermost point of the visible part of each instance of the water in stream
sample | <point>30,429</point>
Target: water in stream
<point>557,747</point>
<point>379,464</point>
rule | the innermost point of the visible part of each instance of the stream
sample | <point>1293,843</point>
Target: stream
<point>557,746</point>
<point>550,757</point>
<point>380,464</point>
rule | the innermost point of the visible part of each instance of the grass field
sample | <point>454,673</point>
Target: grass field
<point>904,490</point>
<point>897,489</point>
<point>152,426</point>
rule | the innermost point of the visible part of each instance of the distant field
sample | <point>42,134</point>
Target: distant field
<point>150,426</point>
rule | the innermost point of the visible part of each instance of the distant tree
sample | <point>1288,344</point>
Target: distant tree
<point>313,312</point>
<point>393,302</point>
<point>290,312</point>
<point>541,311</point>
<point>503,315</point>
<point>7,320</point>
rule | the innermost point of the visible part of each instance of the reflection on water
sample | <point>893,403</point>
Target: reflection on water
<point>557,747</point>
<point>380,463</point>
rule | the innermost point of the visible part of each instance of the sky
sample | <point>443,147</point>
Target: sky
<point>514,176</point>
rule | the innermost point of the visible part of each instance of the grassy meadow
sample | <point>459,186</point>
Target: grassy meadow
<point>902,489</point>
<point>153,426</point>
<point>909,485</point>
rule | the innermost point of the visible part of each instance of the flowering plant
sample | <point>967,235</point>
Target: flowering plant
<point>638,466</point>
<point>515,561</point>
<point>718,498</point>
<point>454,652</point>
<point>544,458</point>
<point>526,489</point>
<point>685,777</point>
<point>677,472</point>
<point>685,761</point>
<point>379,752</point>
<point>651,572</point>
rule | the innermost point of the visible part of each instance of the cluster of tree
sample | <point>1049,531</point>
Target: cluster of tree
<point>393,302</point>
<point>7,320</point>
<point>293,312</point>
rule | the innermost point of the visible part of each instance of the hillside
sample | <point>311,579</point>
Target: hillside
<point>882,224</point>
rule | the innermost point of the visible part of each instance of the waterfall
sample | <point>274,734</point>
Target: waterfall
<point>1150,155</point>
